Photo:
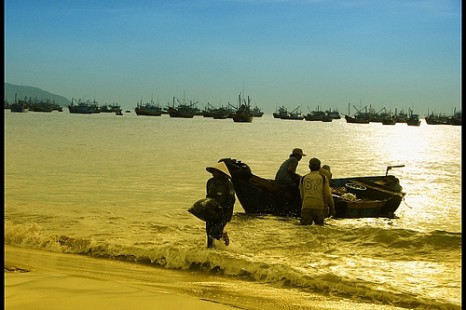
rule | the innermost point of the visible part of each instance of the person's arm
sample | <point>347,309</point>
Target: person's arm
<point>210,189</point>
<point>229,201</point>
<point>292,165</point>
<point>328,197</point>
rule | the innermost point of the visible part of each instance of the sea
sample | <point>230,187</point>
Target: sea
<point>119,187</point>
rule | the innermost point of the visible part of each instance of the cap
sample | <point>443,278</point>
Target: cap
<point>221,167</point>
<point>297,151</point>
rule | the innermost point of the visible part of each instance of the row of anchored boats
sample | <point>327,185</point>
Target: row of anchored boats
<point>244,112</point>
<point>296,114</point>
<point>411,119</point>
<point>367,116</point>
<point>36,105</point>
<point>241,113</point>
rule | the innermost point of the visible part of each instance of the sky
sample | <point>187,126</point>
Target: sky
<point>300,54</point>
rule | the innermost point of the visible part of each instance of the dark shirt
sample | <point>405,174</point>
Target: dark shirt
<point>287,171</point>
<point>223,191</point>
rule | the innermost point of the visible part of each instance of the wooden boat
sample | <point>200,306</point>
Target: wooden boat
<point>243,114</point>
<point>148,109</point>
<point>413,119</point>
<point>358,118</point>
<point>281,112</point>
<point>334,114</point>
<point>437,120</point>
<point>456,119</point>
<point>20,106</point>
<point>382,116</point>
<point>401,117</point>
<point>220,113</point>
<point>354,197</point>
<point>316,115</point>
<point>113,108</point>
<point>296,114</point>
<point>83,107</point>
<point>183,110</point>
<point>256,112</point>
<point>41,106</point>
<point>327,118</point>
<point>388,120</point>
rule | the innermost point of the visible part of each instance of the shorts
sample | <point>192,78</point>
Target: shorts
<point>308,216</point>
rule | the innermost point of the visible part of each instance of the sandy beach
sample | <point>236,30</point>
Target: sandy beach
<point>37,279</point>
<point>44,280</point>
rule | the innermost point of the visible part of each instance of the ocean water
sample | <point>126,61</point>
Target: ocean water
<point>118,188</point>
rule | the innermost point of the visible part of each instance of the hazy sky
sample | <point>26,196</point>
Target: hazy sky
<point>308,53</point>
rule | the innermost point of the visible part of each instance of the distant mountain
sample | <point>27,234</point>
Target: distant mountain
<point>32,92</point>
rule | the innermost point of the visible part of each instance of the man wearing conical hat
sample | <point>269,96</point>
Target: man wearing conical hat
<point>221,189</point>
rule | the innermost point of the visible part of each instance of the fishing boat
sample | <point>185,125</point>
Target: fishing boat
<point>413,119</point>
<point>183,110</point>
<point>387,118</point>
<point>256,112</point>
<point>354,197</point>
<point>19,105</point>
<point>113,108</point>
<point>358,118</point>
<point>437,119</point>
<point>401,117</point>
<point>296,114</point>
<point>243,114</point>
<point>281,112</point>
<point>334,114</point>
<point>148,109</point>
<point>316,115</point>
<point>220,113</point>
<point>456,119</point>
<point>83,107</point>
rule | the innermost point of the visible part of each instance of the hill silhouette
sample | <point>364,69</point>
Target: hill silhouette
<point>11,90</point>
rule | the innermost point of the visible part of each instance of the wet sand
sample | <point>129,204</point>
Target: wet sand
<point>44,280</point>
<point>37,279</point>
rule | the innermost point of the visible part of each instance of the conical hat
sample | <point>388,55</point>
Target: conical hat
<point>220,167</point>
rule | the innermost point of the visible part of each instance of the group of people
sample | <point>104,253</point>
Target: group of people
<point>312,191</point>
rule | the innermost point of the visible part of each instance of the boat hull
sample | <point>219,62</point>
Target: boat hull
<point>357,197</point>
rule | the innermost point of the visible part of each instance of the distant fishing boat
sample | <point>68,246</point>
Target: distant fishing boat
<point>256,112</point>
<point>359,117</point>
<point>20,106</point>
<point>456,119</point>
<point>113,108</point>
<point>83,107</point>
<point>182,110</point>
<point>413,119</point>
<point>243,113</point>
<point>148,109</point>
<point>316,115</point>
<point>334,114</point>
<point>296,114</point>
<point>281,112</point>
<point>401,117</point>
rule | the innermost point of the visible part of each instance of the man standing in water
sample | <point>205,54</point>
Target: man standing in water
<point>220,188</point>
<point>316,195</point>
<point>288,179</point>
